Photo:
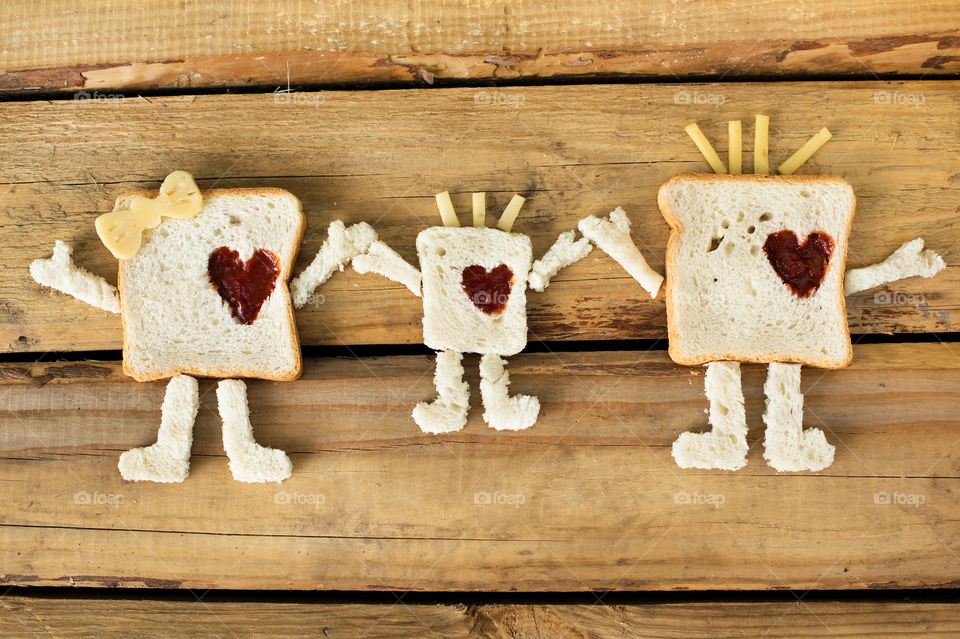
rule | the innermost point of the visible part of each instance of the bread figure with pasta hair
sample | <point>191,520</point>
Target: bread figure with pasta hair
<point>201,291</point>
<point>473,282</point>
<point>755,273</point>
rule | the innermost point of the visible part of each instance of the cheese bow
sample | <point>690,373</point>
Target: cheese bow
<point>121,231</point>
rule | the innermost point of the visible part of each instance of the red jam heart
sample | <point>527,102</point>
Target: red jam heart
<point>245,287</point>
<point>488,290</point>
<point>801,267</point>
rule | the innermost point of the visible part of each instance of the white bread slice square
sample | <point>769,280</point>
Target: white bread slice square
<point>724,300</point>
<point>175,322</point>
<point>451,321</point>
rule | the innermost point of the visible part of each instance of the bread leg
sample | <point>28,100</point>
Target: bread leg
<point>787,446</point>
<point>501,411</point>
<point>725,446</point>
<point>448,412</point>
<point>249,461</point>
<point>168,460</point>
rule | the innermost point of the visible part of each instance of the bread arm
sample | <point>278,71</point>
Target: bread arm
<point>60,273</point>
<point>342,245</point>
<point>612,235</point>
<point>907,261</point>
<point>564,252</point>
<point>383,260</point>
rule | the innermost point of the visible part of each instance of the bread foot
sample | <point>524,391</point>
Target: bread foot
<point>249,461</point>
<point>725,446</point>
<point>501,411</point>
<point>167,460</point>
<point>447,413</point>
<point>787,446</point>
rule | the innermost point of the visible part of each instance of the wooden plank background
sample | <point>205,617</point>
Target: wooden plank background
<point>375,504</point>
<point>104,46</point>
<point>589,499</point>
<point>380,156</point>
<point>158,619</point>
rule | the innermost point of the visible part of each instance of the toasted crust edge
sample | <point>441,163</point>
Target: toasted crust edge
<point>676,228</point>
<point>225,371</point>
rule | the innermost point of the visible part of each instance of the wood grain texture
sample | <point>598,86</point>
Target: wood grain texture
<point>588,499</point>
<point>27,616</point>
<point>120,44</point>
<point>381,156</point>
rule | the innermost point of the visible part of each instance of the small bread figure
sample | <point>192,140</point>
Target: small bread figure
<point>473,282</point>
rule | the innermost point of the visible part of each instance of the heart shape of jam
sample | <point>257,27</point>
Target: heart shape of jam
<point>244,286</point>
<point>488,290</point>
<point>802,267</point>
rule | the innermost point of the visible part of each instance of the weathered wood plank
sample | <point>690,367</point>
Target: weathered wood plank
<point>380,156</point>
<point>588,499</point>
<point>126,45</point>
<point>27,616</point>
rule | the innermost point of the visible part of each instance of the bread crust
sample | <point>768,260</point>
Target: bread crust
<point>676,229</point>
<point>282,288</point>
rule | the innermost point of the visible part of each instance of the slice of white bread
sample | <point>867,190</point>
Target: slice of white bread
<point>175,321</point>
<point>564,252</point>
<point>501,411</point>
<point>167,460</point>
<point>447,413</point>
<point>788,447</point>
<point>612,235</point>
<point>61,274</point>
<point>725,446</point>
<point>249,461</point>
<point>451,319</point>
<point>725,301</point>
<point>342,245</point>
<point>910,260</point>
<point>383,260</point>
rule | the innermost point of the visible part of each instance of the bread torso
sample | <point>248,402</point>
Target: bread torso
<point>174,319</point>
<point>451,320</point>
<point>725,301</point>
